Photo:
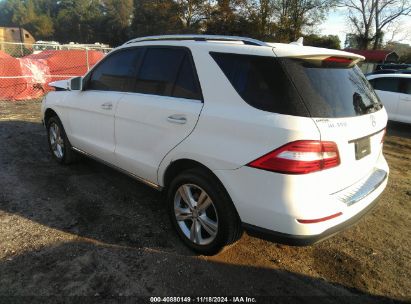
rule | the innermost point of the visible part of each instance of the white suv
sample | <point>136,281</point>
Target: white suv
<point>394,90</point>
<point>282,140</point>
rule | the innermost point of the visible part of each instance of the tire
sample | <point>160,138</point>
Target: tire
<point>211,222</point>
<point>59,144</point>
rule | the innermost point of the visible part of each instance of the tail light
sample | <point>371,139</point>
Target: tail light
<point>338,62</point>
<point>300,157</point>
<point>342,60</point>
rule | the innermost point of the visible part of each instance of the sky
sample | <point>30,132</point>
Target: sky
<point>337,24</point>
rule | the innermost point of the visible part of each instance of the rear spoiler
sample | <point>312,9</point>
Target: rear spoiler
<point>331,59</point>
<point>312,53</point>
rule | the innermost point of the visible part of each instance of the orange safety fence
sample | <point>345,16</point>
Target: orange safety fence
<point>28,77</point>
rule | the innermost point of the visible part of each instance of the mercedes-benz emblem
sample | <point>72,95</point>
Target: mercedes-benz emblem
<point>373,122</point>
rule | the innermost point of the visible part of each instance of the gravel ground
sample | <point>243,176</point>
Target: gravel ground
<point>87,230</point>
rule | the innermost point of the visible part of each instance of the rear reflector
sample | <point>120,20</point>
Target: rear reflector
<point>300,157</point>
<point>323,219</point>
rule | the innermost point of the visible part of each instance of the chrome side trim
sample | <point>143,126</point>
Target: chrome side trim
<point>140,179</point>
<point>362,188</point>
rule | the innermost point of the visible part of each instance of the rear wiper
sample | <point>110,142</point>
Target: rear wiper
<point>361,108</point>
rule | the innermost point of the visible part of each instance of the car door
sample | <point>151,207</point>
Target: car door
<point>387,89</point>
<point>404,102</point>
<point>161,111</point>
<point>91,111</point>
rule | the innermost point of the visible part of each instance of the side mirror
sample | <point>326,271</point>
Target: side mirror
<point>76,84</point>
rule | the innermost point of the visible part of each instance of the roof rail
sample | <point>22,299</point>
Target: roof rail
<point>245,40</point>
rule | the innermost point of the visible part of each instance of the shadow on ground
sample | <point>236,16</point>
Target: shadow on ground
<point>83,268</point>
<point>86,198</point>
<point>113,236</point>
<point>399,129</point>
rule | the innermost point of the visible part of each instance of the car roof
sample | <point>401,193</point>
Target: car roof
<point>391,75</point>
<point>238,44</point>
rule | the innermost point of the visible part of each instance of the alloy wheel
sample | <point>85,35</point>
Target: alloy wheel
<point>56,140</point>
<point>196,214</point>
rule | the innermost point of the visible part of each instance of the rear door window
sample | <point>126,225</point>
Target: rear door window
<point>186,85</point>
<point>168,72</point>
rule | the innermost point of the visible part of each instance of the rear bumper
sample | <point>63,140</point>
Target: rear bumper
<point>304,240</point>
<point>296,210</point>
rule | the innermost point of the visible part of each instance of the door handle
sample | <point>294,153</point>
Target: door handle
<point>177,118</point>
<point>107,106</point>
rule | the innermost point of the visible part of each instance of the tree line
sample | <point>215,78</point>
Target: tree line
<point>115,21</point>
<point>370,19</point>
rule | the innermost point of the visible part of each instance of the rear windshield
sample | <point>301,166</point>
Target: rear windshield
<point>298,87</point>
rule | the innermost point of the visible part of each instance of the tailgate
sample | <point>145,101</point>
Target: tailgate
<point>359,141</point>
<point>346,111</point>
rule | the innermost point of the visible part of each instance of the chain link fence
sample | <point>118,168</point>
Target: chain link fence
<point>27,69</point>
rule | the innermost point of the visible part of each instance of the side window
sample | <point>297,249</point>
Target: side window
<point>389,84</point>
<point>261,82</point>
<point>167,72</point>
<point>186,85</point>
<point>116,72</point>
<point>158,71</point>
<point>405,86</point>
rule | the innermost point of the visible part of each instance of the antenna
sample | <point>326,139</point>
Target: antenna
<point>298,42</point>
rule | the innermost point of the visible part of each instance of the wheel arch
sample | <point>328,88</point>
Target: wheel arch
<point>183,164</point>
<point>51,111</point>
<point>180,165</point>
<point>48,114</point>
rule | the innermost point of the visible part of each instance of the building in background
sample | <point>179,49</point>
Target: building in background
<point>16,34</point>
<point>374,57</point>
<point>13,41</point>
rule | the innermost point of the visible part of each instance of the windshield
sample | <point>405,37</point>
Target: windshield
<point>332,91</point>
